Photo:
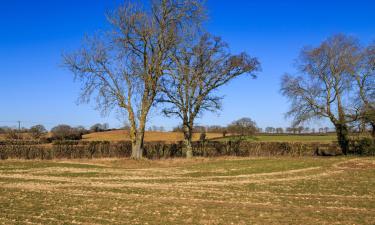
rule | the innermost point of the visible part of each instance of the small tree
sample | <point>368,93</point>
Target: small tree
<point>279,130</point>
<point>243,127</point>
<point>98,127</point>
<point>37,131</point>
<point>270,130</point>
<point>65,132</point>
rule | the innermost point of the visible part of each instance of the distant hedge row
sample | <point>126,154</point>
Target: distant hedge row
<point>158,150</point>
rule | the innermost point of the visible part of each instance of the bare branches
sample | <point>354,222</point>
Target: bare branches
<point>123,67</point>
<point>336,82</point>
<point>325,83</point>
<point>199,69</point>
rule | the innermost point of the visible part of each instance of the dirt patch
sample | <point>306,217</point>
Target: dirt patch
<point>358,164</point>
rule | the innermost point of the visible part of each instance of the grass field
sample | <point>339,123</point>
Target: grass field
<point>199,191</point>
<point>292,138</point>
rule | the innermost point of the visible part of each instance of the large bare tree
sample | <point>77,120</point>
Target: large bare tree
<point>325,84</point>
<point>199,70</point>
<point>123,66</point>
<point>364,78</point>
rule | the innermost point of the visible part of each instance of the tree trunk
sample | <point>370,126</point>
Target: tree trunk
<point>373,130</point>
<point>342,132</point>
<point>137,144</point>
<point>137,148</point>
<point>188,141</point>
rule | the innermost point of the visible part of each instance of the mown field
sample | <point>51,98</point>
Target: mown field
<point>285,190</point>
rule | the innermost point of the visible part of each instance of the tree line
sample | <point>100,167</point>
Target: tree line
<point>59,132</point>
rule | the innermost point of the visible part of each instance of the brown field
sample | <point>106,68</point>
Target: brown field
<point>337,190</point>
<point>122,135</point>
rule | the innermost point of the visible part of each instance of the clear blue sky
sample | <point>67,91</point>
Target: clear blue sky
<point>33,34</point>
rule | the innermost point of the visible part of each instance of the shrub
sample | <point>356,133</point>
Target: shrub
<point>37,131</point>
<point>65,132</point>
<point>12,134</point>
<point>99,127</point>
<point>363,146</point>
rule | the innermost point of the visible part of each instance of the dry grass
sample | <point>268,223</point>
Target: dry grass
<point>122,135</point>
<point>198,191</point>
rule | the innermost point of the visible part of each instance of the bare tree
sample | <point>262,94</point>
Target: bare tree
<point>270,130</point>
<point>37,131</point>
<point>199,71</point>
<point>321,89</point>
<point>243,127</point>
<point>279,130</point>
<point>65,132</point>
<point>364,77</point>
<point>123,67</point>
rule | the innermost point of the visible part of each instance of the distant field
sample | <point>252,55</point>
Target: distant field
<point>307,191</point>
<point>122,135</point>
<point>291,138</point>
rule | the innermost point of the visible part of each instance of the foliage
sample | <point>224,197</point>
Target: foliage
<point>363,146</point>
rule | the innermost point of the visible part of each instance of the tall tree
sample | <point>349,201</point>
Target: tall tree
<point>364,78</point>
<point>123,67</point>
<point>199,71</point>
<point>322,88</point>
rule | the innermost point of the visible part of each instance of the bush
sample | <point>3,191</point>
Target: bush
<point>65,132</point>
<point>12,134</point>
<point>37,131</point>
<point>364,146</point>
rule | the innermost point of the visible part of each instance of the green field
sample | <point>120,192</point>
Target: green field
<point>289,138</point>
<point>199,191</point>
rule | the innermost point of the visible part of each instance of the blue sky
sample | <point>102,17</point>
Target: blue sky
<point>33,35</point>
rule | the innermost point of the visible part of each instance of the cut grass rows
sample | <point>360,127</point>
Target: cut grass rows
<point>199,191</point>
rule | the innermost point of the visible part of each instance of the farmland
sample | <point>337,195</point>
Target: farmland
<point>199,191</point>
<point>121,135</point>
<point>324,138</point>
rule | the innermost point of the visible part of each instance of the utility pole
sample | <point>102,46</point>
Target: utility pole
<point>19,130</point>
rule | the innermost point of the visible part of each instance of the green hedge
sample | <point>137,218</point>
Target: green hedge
<point>363,146</point>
